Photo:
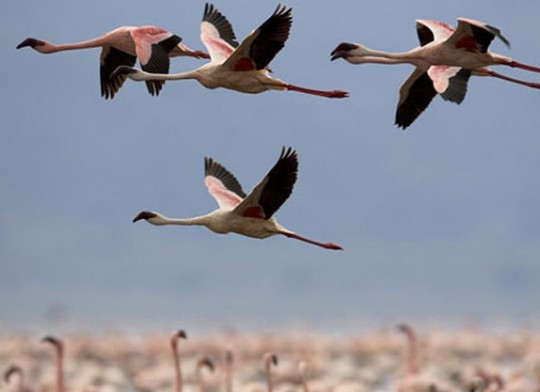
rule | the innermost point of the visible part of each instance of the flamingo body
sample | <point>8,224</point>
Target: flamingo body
<point>152,45</point>
<point>248,215</point>
<point>241,68</point>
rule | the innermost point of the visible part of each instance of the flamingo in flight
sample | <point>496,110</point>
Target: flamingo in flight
<point>152,45</point>
<point>444,61</point>
<point>243,67</point>
<point>249,215</point>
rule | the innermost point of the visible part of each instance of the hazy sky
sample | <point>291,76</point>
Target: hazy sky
<point>438,222</point>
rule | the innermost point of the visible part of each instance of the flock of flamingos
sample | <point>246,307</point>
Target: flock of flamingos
<point>382,361</point>
<point>443,65</point>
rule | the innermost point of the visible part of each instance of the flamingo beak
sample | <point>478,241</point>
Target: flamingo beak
<point>144,215</point>
<point>32,42</point>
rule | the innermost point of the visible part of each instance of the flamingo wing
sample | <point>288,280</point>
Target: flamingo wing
<point>431,30</point>
<point>259,48</point>
<point>415,96</point>
<point>450,82</point>
<point>474,36</point>
<point>217,34</point>
<point>222,185</point>
<point>274,189</point>
<point>110,59</point>
<point>153,45</point>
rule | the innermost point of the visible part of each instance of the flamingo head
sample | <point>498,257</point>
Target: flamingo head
<point>34,43</point>
<point>11,372</point>
<point>55,342</point>
<point>345,50</point>
<point>180,334</point>
<point>206,362</point>
<point>271,358</point>
<point>151,217</point>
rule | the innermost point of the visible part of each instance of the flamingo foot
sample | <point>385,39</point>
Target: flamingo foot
<point>320,93</point>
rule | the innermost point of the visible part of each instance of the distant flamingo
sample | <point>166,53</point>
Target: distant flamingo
<point>444,62</point>
<point>249,215</point>
<point>204,362</point>
<point>180,334</point>
<point>269,360</point>
<point>414,380</point>
<point>150,44</point>
<point>14,380</point>
<point>241,67</point>
<point>58,346</point>
<point>303,377</point>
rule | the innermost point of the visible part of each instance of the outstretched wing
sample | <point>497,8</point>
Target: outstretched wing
<point>474,36</point>
<point>153,45</point>
<point>222,185</point>
<point>259,48</point>
<point>217,34</point>
<point>431,30</point>
<point>274,189</point>
<point>415,96</point>
<point>111,59</point>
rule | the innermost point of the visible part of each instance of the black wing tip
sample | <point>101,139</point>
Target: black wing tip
<point>288,152</point>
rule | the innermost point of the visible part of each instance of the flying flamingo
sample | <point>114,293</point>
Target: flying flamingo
<point>58,346</point>
<point>249,215</point>
<point>180,334</point>
<point>150,44</point>
<point>241,67</point>
<point>444,62</point>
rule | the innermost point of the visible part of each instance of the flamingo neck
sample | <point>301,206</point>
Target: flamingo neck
<point>142,75</point>
<point>375,60</point>
<point>177,370</point>
<point>326,245</point>
<point>59,368</point>
<point>195,221</point>
<point>268,373</point>
<point>52,48</point>
<point>411,353</point>
<point>200,379</point>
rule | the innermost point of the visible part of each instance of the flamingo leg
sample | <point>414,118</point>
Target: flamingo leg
<point>327,245</point>
<point>516,64</point>
<point>320,93</point>
<point>513,80</point>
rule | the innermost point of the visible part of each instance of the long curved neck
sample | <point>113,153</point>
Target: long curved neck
<point>268,373</point>
<point>53,48</point>
<point>59,367</point>
<point>411,353</point>
<point>177,369</point>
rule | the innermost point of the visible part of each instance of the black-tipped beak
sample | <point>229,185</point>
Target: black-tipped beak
<point>337,55</point>
<point>182,334</point>
<point>50,339</point>
<point>144,215</point>
<point>29,42</point>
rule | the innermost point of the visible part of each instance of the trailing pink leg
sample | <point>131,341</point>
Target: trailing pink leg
<point>513,80</point>
<point>327,245</point>
<point>320,93</point>
<point>516,64</point>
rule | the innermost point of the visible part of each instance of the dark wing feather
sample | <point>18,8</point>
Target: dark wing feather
<point>420,94</point>
<point>159,62</point>
<point>223,26</point>
<point>214,169</point>
<point>280,182</point>
<point>425,35</point>
<point>457,86</point>
<point>271,37</point>
<point>112,58</point>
